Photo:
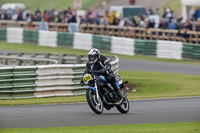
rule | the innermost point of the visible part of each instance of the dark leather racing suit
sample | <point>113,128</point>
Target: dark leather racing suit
<point>103,67</point>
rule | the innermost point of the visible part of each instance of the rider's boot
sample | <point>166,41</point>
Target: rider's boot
<point>119,93</point>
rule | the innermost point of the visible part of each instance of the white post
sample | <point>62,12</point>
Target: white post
<point>184,10</point>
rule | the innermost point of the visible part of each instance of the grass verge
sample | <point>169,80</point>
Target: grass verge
<point>150,85</point>
<point>192,127</point>
<point>66,50</point>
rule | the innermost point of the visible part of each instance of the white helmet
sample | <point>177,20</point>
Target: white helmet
<point>93,55</point>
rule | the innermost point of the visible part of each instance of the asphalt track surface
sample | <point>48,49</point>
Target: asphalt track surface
<point>155,66</point>
<point>62,115</point>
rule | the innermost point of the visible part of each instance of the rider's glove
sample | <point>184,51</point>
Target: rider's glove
<point>102,71</point>
<point>89,71</point>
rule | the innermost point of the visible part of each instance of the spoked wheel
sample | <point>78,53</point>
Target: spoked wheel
<point>124,106</point>
<point>95,104</point>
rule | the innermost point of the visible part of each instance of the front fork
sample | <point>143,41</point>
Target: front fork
<point>97,92</point>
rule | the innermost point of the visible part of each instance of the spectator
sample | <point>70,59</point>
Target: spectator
<point>195,16</point>
<point>38,17</point>
<point>157,11</point>
<point>77,4</point>
<point>198,26</point>
<point>101,11</point>
<point>72,19</point>
<point>169,15</point>
<point>133,22</point>
<point>141,22</point>
<point>178,22</point>
<point>3,15</point>
<point>150,11</point>
<point>56,17</point>
<point>198,14</point>
<point>9,14</point>
<point>164,13</point>
<point>14,17</point>
<point>187,24</point>
<point>191,13</point>
<point>149,23</point>
<point>82,20</point>
<point>25,14</point>
<point>162,25</point>
<point>132,2</point>
<point>45,16</point>
<point>122,23</point>
<point>185,35</point>
<point>20,15</point>
<point>171,25</point>
<point>37,11</point>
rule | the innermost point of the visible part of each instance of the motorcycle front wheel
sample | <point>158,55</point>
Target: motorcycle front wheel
<point>95,104</point>
<point>124,106</point>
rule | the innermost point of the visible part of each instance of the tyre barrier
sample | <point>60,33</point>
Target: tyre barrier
<point>27,59</point>
<point>44,80</point>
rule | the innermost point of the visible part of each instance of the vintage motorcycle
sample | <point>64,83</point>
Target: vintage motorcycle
<point>100,94</point>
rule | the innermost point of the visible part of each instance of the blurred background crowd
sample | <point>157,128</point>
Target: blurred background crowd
<point>100,15</point>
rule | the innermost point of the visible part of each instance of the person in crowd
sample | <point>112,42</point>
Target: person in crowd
<point>191,13</point>
<point>157,11</point>
<point>187,24</point>
<point>72,18</point>
<point>9,14</point>
<point>38,17</point>
<point>82,20</point>
<point>142,23</point>
<point>3,15</point>
<point>14,17</point>
<point>171,25</point>
<point>150,11</point>
<point>132,2</point>
<point>45,16</point>
<point>149,23</point>
<point>164,13</point>
<point>37,11</point>
<point>197,28</point>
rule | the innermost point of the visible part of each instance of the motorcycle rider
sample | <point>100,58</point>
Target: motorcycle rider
<point>100,65</point>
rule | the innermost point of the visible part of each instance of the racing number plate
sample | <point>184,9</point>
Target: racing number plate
<point>87,78</point>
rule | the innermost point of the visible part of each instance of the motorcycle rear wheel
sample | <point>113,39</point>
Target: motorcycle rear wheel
<point>95,104</point>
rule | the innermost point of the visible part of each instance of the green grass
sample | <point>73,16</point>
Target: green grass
<point>66,50</point>
<point>161,85</point>
<point>193,127</point>
<point>150,85</point>
<point>49,4</point>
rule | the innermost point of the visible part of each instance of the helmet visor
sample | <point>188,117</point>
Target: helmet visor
<point>92,57</point>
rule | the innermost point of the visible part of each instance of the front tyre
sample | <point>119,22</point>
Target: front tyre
<point>95,104</point>
<point>124,106</point>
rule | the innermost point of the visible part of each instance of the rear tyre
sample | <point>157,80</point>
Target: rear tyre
<point>95,104</point>
<point>124,106</point>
